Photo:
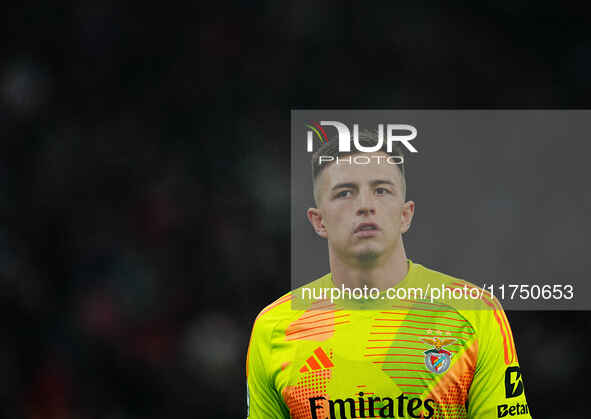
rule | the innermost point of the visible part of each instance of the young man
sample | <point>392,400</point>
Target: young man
<point>396,353</point>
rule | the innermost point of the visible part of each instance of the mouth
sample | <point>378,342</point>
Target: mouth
<point>366,228</point>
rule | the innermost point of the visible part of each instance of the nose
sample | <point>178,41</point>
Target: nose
<point>366,204</point>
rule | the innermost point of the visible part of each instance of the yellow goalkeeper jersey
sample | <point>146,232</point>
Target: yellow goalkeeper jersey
<point>385,357</point>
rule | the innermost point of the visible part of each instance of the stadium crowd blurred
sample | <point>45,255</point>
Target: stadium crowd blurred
<point>144,180</point>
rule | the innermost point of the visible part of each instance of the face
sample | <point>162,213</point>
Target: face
<point>361,209</point>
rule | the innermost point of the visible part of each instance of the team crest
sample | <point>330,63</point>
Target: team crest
<point>437,359</point>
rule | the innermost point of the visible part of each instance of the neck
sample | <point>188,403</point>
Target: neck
<point>382,274</point>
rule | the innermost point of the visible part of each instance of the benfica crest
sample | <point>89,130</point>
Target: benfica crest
<point>437,359</point>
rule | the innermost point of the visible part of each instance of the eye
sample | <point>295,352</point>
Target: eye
<point>382,191</point>
<point>343,194</point>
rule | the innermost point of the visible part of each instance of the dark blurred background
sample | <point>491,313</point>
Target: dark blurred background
<point>144,180</point>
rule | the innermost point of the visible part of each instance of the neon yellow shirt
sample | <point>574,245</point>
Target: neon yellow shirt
<point>380,358</point>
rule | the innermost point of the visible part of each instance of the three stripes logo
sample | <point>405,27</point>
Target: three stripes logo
<point>318,360</point>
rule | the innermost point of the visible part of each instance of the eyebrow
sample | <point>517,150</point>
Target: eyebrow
<point>344,185</point>
<point>354,185</point>
<point>380,182</point>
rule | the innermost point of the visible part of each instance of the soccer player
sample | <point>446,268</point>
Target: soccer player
<point>395,354</point>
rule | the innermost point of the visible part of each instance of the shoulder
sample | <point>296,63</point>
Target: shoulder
<point>287,307</point>
<point>434,277</point>
<point>476,304</point>
<point>276,308</point>
<point>272,314</point>
<point>483,312</point>
<point>460,290</point>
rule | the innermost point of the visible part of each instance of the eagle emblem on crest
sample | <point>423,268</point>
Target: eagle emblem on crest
<point>437,359</point>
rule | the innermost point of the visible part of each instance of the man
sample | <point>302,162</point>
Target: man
<point>392,354</point>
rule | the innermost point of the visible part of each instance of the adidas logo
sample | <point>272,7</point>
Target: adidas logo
<point>317,362</point>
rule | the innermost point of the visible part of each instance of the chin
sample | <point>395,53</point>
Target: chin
<point>368,255</point>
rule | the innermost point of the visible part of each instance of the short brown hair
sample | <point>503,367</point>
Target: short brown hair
<point>367,139</point>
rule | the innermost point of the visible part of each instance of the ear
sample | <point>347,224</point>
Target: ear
<point>315,218</point>
<point>408,210</point>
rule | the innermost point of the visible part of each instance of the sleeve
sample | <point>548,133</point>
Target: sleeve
<point>262,399</point>
<point>498,388</point>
